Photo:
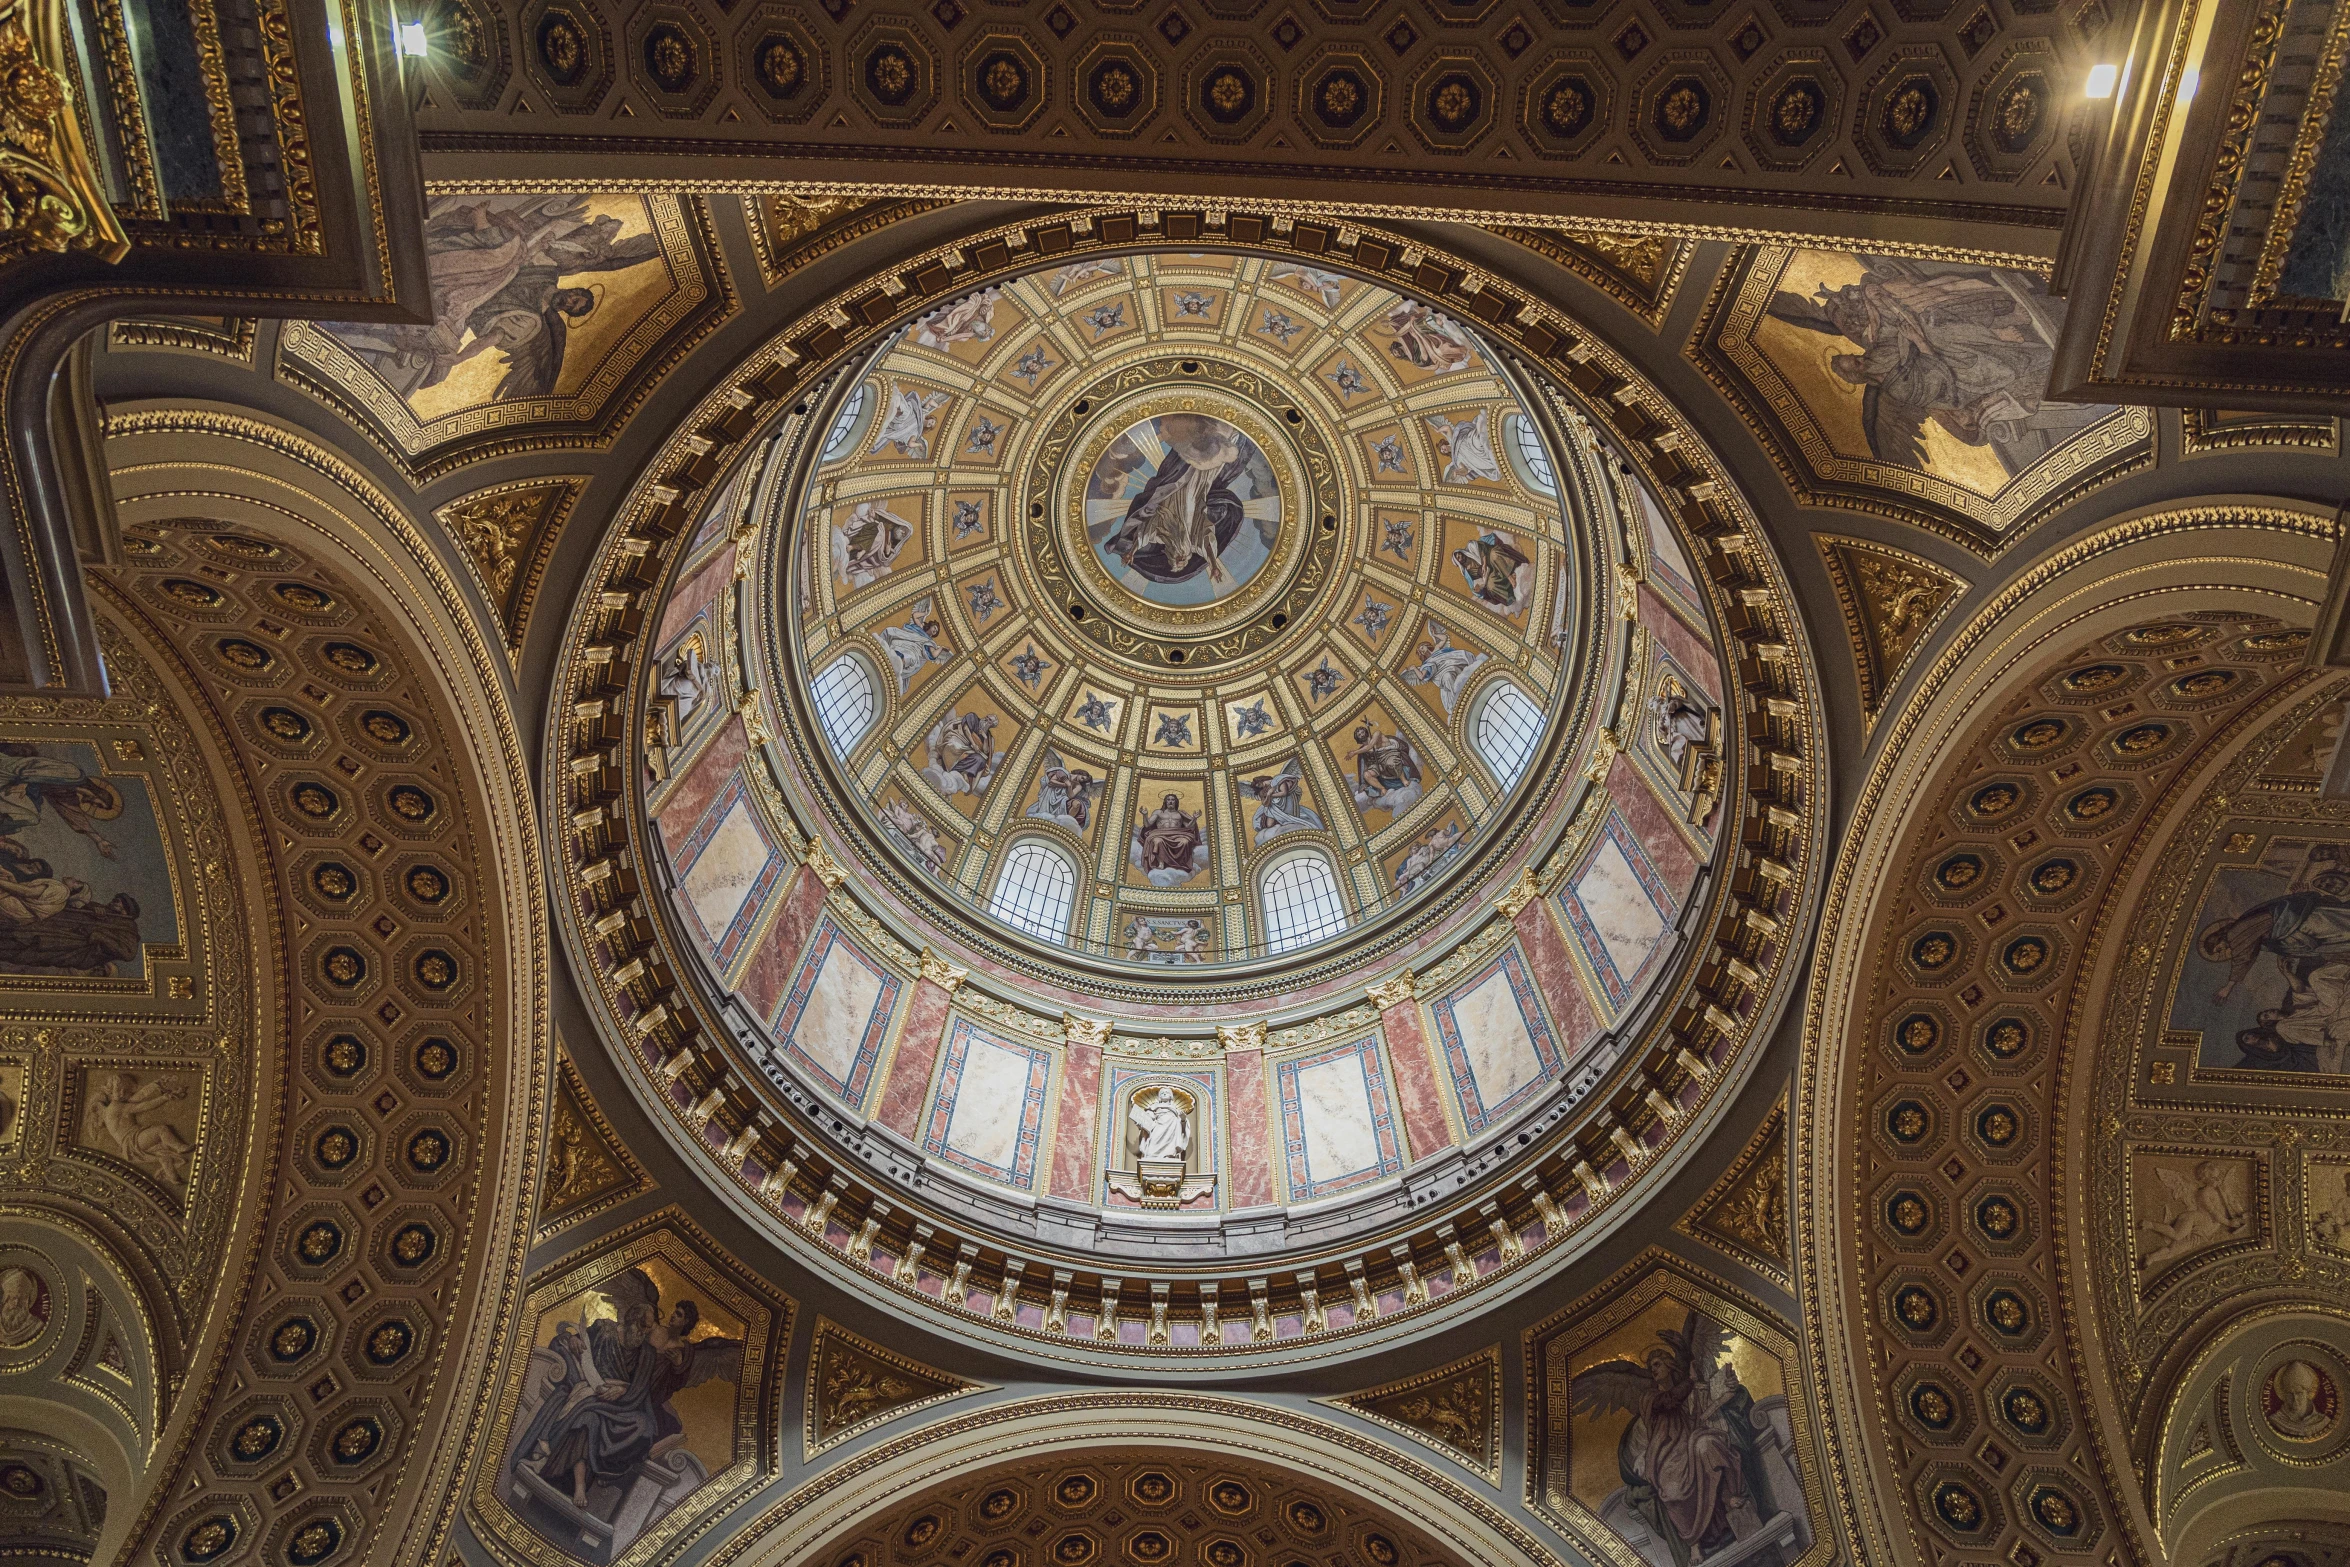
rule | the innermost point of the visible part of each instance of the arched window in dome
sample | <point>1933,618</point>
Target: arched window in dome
<point>1528,455</point>
<point>844,429</point>
<point>1506,727</point>
<point>846,700</point>
<point>1299,897</point>
<point>1035,889</point>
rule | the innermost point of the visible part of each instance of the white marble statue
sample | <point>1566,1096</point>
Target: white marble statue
<point>1166,1134</point>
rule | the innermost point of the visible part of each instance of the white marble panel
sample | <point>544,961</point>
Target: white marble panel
<point>727,870</point>
<point>1334,1111</point>
<point>832,1025</point>
<point>1495,1039</point>
<point>1626,917</point>
<point>985,1123</point>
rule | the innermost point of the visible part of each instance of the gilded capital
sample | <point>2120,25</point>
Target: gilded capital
<point>1404,987</point>
<point>1521,892</point>
<point>946,976</point>
<point>828,870</point>
<point>1075,1030</point>
<point>1241,1036</point>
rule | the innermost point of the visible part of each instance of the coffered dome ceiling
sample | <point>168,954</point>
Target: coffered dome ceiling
<point>1232,776</point>
<point>1176,566</point>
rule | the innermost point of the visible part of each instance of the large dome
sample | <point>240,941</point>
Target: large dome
<point>1192,779</point>
<point>1181,609</point>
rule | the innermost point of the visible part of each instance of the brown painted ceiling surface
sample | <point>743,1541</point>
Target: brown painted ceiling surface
<point>1808,112</point>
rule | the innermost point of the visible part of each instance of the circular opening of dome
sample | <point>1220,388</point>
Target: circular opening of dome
<point>1182,609</point>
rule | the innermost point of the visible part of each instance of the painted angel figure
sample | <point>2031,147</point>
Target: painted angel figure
<point>1428,338</point>
<point>496,265</point>
<point>1442,665</point>
<point>970,319</point>
<point>1386,771</point>
<point>867,543</point>
<point>1328,287</point>
<point>641,1360</point>
<point>31,783</point>
<point>1466,447</point>
<point>963,754</point>
<point>1281,804</point>
<point>131,1115</point>
<point>2203,1209</point>
<point>1166,1133</point>
<point>906,421</point>
<point>1187,515</point>
<point>919,838</point>
<point>1957,345</point>
<point>1435,847</point>
<point>1065,794</point>
<point>914,644</point>
<point>1686,1459</point>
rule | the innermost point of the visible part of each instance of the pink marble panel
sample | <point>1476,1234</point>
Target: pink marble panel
<point>1422,1102</point>
<point>1554,976</point>
<point>698,590</point>
<point>909,1067</point>
<point>1651,821</point>
<point>1248,1128</point>
<point>769,973</point>
<point>1692,649</point>
<point>693,792</point>
<point>1074,1154</point>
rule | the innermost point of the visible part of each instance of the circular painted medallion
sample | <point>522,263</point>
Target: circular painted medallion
<point>1182,509</point>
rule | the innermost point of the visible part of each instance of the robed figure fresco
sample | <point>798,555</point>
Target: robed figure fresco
<point>595,1419</point>
<point>1187,514</point>
<point>1958,345</point>
<point>496,265</point>
<point>1169,846</point>
<point>2285,959</point>
<point>1691,1458</point>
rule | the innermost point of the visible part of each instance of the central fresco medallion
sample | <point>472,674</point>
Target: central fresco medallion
<point>1151,575</point>
<point>1182,509</point>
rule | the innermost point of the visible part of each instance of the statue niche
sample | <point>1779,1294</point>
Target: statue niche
<point>1161,1160</point>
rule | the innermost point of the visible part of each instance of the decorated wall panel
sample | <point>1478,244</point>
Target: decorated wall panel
<point>552,312</point>
<point>1910,387</point>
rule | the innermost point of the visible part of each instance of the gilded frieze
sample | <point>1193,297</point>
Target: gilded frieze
<point>1455,1409</point>
<point>1891,601</point>
<point>1744,1214</point>
<point>855,1385</point>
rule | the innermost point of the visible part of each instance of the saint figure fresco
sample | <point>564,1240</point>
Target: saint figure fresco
<point>505,273</point>
<point>2266,980</point>
<point>1169,846</point>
